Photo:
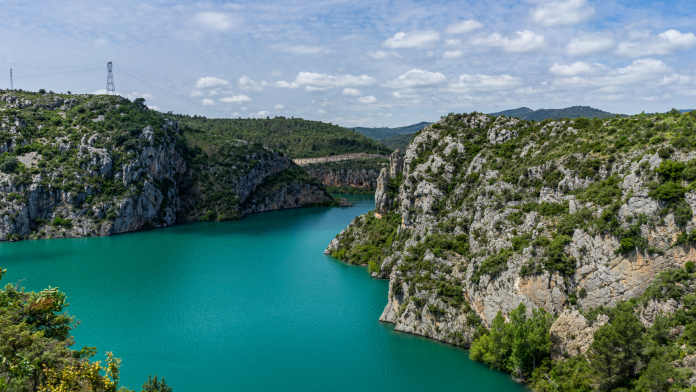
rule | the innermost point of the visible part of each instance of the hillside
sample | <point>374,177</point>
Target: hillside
<point>533,242</point>
<point>89,165</point>
<point>399,142</point>
<point>382,133</point>
<point>555,114</point>
<point>295,137</point>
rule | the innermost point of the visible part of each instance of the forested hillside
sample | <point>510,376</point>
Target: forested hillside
<point>398,142</point>
<point>295,137</point>
<point>382,133</point>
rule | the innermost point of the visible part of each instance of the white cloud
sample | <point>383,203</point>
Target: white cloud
<point>243,108</point>
<point>414,39</point>
<point>483,83</point>
<point>208,102</point>
<point>351,92</point>
<point>525,41</point>
<point>236,99</point>
<point>320,112</point>
<point>261,113</point>
<point>399,95</point>
<point>196,93</point>
<point>214,20</point>
<point>317,82</point>
<point>417,78</point>
<point>453,42</point>
<point>590,44</point>
<point>245,83</point>
<point>284,84</point>
<point>367,99</point>
<point>577,68</point>
<point>664,43</point>
<point>562,13</point>
<point>452,54</point>
<point>463,27</point>
<point>136,94</point>
<point>279,106</point>
<point>382,55</point>
<point>305,49</point>
<point>154,107</point>
<point>640,74</point>
<point>211,81</point>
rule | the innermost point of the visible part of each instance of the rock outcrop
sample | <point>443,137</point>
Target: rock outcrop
<point>508,211</point>
<point>104,165</point>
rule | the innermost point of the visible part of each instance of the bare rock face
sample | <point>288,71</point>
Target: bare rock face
<point>291,196</point>
<point>396,163</point>
<point>572,334</point>
<point>359,178</point>
<point>382,202</point>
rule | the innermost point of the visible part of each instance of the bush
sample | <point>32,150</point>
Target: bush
<point>690,267</point>
<point>668,191</point>
<point>663,153</point>
<point>9,165</point>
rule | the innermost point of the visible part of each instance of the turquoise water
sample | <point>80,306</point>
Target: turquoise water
<point>250,305</point>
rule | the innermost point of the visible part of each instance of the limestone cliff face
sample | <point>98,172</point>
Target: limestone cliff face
<point>290,196</point>
<point>517,204</point>
<point>358,178</point>
<point>36,205</point>
<point>99,165</point>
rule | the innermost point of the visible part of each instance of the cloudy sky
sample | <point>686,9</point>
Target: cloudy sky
<point>359,63</point>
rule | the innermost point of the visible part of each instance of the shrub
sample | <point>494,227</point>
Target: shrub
<point>663,153</point>
<point>669,191</point>
<point>690,267</point>
<point>10,165</point>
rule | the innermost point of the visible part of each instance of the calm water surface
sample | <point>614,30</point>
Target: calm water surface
<point>250,305</point>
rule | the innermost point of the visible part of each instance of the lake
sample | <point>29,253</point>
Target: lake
<point>249,305</point>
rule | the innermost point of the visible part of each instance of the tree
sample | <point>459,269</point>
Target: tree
<point>614,353</point>
<point>156,386</point>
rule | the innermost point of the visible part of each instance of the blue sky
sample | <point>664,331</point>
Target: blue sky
<point>359,63</point>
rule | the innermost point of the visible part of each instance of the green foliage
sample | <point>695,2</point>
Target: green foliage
<point>295,137</point>
<point>152,385</point>
<point>376,238</point>
<point>602,193</point>
<point>517,346</point>
<point>493,265</point>
<point>35,347</point>
<point>669,191</point>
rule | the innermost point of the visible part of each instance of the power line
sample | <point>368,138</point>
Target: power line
<point>138,80</point>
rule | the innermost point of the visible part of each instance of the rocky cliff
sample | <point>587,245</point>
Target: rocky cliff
<point>75,166</point>
<point>356,173</point>
<point>488,213</point>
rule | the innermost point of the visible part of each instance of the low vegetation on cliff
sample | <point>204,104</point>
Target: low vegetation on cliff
<point>36,353</point>
<point>561,216</point>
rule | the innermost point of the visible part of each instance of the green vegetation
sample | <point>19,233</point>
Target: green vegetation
<point>373,241</point>
<point>399,142</point>
<point>295,137</point>
<point>35,348</point>
<point>382,133</point>
<point>517,346</point>
<point>623,354</point>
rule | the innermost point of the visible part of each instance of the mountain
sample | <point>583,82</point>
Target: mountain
<point>295,137</point>
<point>90,165</point>
<point>398,141</point>
<point>382,133</point>
<point>555,114</point>
<point>535,243</point>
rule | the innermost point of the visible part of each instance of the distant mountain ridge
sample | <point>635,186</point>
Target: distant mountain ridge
<point>525,113</point>
<point>382,133</point>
